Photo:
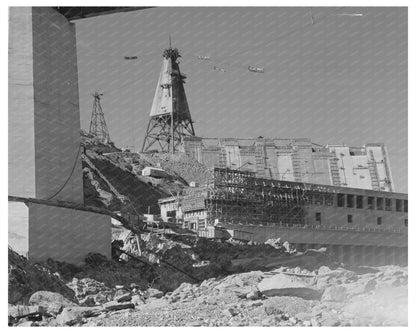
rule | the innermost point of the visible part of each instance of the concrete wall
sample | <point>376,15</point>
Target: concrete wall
<point>67,234</point>
<point>296,160</point>
<point>321,236</point>
<point>19,227</point>
<point>21,142</point>
<point>338,216</point>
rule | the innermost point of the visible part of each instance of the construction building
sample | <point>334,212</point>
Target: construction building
<point>298,160</point>
<point>308,215</point>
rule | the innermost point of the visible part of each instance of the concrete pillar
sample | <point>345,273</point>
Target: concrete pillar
<point>405,255</point>
<point>389,255</point>
<point>371,255</point>
<point>340,250</point>
<point>44,139</point>
<point>347,254</point>
<point>379,256</point>
<point>356,255</point>
<point>337,252</point>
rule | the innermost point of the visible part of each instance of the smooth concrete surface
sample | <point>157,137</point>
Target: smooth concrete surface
<point>298,160</point>
<point>44,141</point>
<point>66,234</point>
<point>44,119</point>
<point>21,117</point>
<point>57,117</point>
<point>18,227</point>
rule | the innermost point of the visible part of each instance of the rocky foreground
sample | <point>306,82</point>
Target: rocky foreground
<point>281,297</point>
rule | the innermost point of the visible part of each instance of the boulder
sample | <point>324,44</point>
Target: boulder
<point>123,298</point>
<point>324,270</point>
<point>73,315</point>
<point>50,301</point>
<point>253,295</point>
<point>100,298</point>
<point>152,292</point>
<point>87,286</point>
<point>26,323</point>
<point>334,294</point>
<point>115,306</point>
<point>289,285</point>
<point>21,311</point>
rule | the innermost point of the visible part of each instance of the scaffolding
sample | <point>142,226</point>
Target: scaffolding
<point>234,196</point>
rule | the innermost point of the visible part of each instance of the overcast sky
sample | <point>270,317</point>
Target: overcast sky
<point>329,76</point>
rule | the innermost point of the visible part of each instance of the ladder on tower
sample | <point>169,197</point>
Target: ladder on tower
<point>372,166</point>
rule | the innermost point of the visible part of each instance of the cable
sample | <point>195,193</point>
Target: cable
<point>70,175</point>
<point>218,61</point>
<point>315,22</point>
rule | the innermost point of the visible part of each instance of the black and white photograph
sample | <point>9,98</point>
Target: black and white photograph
<point>207,166</point>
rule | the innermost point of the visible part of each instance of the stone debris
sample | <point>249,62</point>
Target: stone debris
<point>289,285</point>
<point>74,315</point>
<point>50,301</point>
<point>298,292</point>
<point>115,306</point>
<point>126,297</point>
<point>20,311</point>
<point>334,294</point>
<point>25,278</point>
<point>152,292</point>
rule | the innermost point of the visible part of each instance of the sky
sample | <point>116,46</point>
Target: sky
<point>328,76</point>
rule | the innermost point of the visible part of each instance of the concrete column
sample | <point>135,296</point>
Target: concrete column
<point>371,255</point>
<point>347,257</point>
<point>356,255</point>
<point>340,250</point>
<point>379,256</point>
<point>44,139</point>
<point>405,255</point>
<point>389,255</point>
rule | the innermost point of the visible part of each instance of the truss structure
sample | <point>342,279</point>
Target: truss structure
<point>170,119</point>
<point>98,126</point>
<point>234,196</point>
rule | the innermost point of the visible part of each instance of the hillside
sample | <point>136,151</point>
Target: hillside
<point>110,173</point>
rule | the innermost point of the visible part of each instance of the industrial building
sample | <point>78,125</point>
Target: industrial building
<point>298,160</point>
<point>309,215</point>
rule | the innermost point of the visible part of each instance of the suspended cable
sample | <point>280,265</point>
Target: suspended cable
<point>70,175</point>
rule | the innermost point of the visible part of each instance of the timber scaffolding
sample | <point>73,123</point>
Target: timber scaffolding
<point>235,196</point>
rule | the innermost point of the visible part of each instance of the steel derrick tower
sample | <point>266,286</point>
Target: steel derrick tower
<point>98,126</point>
<point>170,119</point>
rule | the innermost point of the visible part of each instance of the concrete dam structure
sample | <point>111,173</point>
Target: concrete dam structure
<point>299,160</point>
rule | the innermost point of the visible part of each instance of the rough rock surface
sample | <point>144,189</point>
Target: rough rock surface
<point>348,297</point>
<point>25,278</point>
<point>50,301</point>
<point>289,285</point>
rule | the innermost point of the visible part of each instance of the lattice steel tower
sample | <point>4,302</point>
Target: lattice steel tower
<point>170,119</point>
<point>98,126</point>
